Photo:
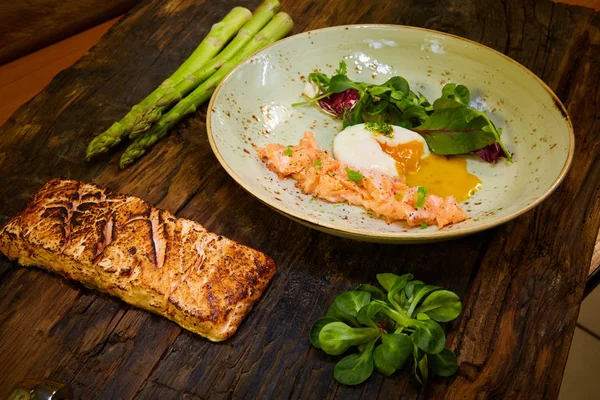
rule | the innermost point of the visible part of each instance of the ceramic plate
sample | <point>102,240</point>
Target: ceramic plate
<point>253,107</point>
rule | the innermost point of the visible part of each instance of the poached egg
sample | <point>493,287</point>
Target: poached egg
<point>403,153</point>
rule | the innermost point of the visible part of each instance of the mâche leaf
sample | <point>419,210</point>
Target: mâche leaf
<point>337,337</point>
<point>399,285</point>
<point>429,336</point>
<point>355,368</point>
<point>422,292</point>
<point>367,314</point>
<point>423,365</point>
<point>392,353</point>
<point>444,363</point>
<point>316,330</point>
<point>388,280</point>
<point>442,306</point>
<point>422,317</point>
<point>335,312</point>
<point>411,287</point>
<point>376,293</point>
<point>388,328</point>
<point>351,302</point>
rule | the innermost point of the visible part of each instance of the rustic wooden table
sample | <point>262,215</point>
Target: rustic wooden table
<point>521,283</point>
<point>26,26</point>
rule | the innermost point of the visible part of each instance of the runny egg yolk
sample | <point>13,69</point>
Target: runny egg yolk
<point>441,175</point>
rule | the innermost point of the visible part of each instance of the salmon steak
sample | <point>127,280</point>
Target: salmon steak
<point>147,257</point>
<point>318,174</point>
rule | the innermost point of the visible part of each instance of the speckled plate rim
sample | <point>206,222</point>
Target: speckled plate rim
<point>417,235</point>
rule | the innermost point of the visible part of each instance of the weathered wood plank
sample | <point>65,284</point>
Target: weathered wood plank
<point>26,26</point>
<point>521,283</point>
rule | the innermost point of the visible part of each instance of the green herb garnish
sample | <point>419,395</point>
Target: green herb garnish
<point>288,151</point>
<point>389,327</point>
<point>380,128</point>
<point>318,163</point>
<point>421,193</point>
<point>399,196</point>
<point>423,225</point>
<point>354,176</point>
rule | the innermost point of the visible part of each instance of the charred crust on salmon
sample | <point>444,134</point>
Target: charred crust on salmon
<point>149,258</point>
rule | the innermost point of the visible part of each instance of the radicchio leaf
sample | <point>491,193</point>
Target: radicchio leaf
<point>338,103</point>
<point>491,153</point>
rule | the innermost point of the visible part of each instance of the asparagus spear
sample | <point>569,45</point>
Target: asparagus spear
<point>219,34</point>
<point>278,28</point>
<point>152,113</point>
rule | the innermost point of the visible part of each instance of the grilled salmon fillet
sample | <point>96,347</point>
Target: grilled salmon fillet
<point>147,257</point>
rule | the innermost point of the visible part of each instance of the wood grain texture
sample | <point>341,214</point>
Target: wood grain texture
<point>594,4</point>
<point>25,77</point>
<point>521,283</point>
<point>595,264</point>
<point>26,26</point>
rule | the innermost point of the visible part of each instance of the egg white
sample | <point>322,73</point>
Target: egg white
<point>359,148</point>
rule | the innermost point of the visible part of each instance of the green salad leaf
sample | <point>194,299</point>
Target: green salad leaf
<point>368,313</point>
<point>316,328</point>
<point>387,329</point>
<point>442,306</point>
<point>429,336</point>
<point>444,363</point>
<point>339,315</point>
<point>456,131</point>
<point>449,125</point>
<point>337,337</point>
<point>376,293</point>
<point>355,368</point>
<point>350,303</point>
<point>393,352</point>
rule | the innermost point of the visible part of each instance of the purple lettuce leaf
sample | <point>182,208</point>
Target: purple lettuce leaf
<point>491,153</point>
<point>338,103</point>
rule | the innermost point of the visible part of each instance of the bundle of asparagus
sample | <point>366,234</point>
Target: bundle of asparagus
<point>195,80</point>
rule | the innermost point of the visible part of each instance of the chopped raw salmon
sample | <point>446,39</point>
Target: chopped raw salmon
<point>320,175</point>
